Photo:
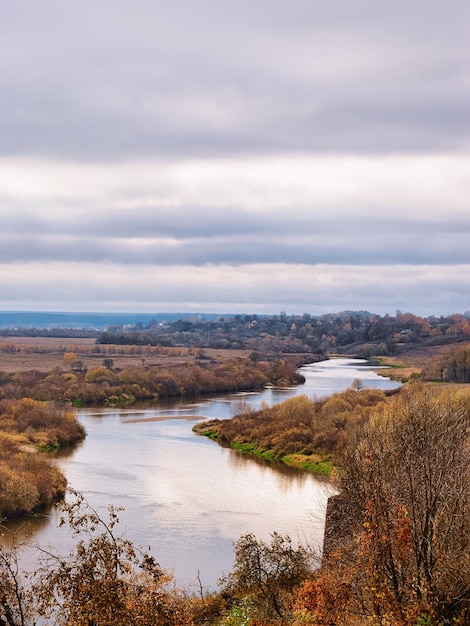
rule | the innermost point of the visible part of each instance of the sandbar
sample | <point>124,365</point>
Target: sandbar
<point>163,418</point>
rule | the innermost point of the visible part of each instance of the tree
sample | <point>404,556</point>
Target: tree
<point>456,366</point>
<point>266,572</point>
<point>69,359</point>
<point>408,492</point>
<point>357,384</point>
<point>416,458</point>
<point>15,598</point>
<point>76,366</point>
<point>105,580</point>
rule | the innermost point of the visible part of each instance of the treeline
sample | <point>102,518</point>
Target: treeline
<point>78,349</point>
<point>310,433</point>
<point>359,332</point>
<point>104,385</point>
<point>61,333</point>
<point>29,481</point>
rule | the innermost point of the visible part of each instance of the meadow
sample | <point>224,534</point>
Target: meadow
<point>22,354</point>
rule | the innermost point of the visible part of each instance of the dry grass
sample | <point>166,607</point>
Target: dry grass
<point>412,362</point>
<point>397,370</point>
<point>41,353</point>
<point>46,353</point>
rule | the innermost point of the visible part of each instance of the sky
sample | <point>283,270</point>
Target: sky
<point>235,157</point>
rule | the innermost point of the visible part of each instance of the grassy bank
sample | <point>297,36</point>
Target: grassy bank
<point>300,432</point>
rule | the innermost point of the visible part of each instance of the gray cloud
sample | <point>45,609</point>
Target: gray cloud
<point>118,80</point>
<point>235,156</point>
<point>255,288</point>
<point>307,242</point>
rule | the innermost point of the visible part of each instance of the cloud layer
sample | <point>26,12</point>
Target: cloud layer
<point>220,156</point>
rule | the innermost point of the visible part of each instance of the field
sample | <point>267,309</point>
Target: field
<point>19,354</point>
<point>413,361</point>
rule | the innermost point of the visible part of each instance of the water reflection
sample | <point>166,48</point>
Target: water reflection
<point>284,474</point>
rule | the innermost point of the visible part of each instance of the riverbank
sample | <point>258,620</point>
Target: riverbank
<point>30,480</point>
<point>312,434</point>
<point>108,385</point>
<point>399,370</point>
<point>315,463</point>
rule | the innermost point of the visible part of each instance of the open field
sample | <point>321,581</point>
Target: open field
<point>19,354</point>
<point>402,367</point>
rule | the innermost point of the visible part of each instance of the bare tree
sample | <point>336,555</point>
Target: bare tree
<point>15,596</point>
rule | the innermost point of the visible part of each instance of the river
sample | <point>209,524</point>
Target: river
<point>185,496</point>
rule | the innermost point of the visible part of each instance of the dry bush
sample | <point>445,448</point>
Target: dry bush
<point>405,522</point>
<point>28,480</point>
<point>267,574</point>
<point>299,425</point>
<point>105,579</point>
<point>42,423</point>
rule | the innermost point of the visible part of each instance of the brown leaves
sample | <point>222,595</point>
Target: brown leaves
<point>105,579</point>
<point>410,485</point>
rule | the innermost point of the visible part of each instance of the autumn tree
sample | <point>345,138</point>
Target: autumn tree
<point>266,573</point>
<point>414,469</point>
<point>69,359</point>
<point>408,494</point>
<point>456,366</point>
<point>105,580</point>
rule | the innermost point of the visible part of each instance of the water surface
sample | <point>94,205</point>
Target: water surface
<point>185,496</point>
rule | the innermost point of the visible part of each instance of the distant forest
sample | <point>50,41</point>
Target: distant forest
<point>73,324</point>
<point>358,333</point>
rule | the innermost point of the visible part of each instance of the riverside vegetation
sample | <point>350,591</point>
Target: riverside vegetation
<point>309,433</point>
<point>36,413</point>
<point>29,482</point>
<point>399,553</point>
<point>104,384</point>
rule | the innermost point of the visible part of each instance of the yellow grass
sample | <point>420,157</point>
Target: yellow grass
<point>46,353</point>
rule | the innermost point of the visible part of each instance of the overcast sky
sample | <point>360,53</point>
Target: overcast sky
<point>221,156</point>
